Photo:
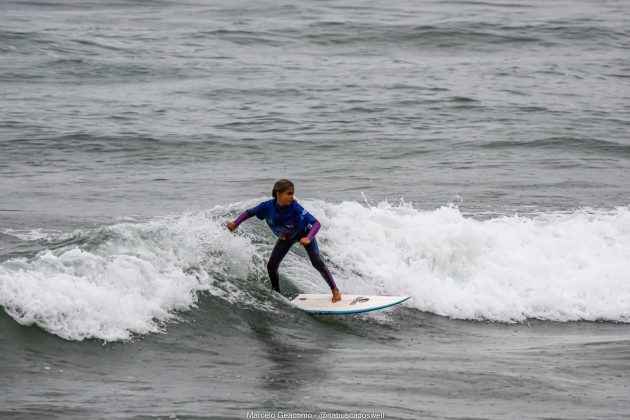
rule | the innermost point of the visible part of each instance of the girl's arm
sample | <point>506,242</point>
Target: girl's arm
<point>240,219</point>
<point>314,229</point>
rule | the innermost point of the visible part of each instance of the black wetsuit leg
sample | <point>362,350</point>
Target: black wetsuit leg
<point>318,263</point>
<point>280,250</point>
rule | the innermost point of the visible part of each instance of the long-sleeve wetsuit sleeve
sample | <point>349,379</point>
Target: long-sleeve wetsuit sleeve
<point>314,229</point>
<point>243,216</point>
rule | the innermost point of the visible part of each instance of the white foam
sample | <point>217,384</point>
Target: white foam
<point>125,279</point>
<point>560,267</point>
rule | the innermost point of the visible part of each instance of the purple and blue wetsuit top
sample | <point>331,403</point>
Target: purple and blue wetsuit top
<point>291,223</point>
<point>288,221</point>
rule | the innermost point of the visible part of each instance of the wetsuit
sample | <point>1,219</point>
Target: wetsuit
<point>290,224</point>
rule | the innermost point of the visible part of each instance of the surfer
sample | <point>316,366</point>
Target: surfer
<point>290,223</point>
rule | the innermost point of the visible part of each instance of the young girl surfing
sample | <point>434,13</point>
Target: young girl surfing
<point>290,223</point>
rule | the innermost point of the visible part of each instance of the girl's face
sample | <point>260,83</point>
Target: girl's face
<point>285,198</point>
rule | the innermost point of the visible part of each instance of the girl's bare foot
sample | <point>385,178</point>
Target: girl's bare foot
<point>336,295</point>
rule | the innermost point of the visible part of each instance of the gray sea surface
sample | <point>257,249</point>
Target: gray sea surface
<point>472,154</point>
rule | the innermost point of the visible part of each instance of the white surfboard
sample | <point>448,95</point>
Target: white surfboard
<point>349,304</point>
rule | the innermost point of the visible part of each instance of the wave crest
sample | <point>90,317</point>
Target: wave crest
<point>560,267</point>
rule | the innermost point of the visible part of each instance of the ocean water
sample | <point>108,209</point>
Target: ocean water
<point>472,154</point>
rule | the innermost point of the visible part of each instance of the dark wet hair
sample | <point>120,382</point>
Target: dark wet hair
<point>281,185</point>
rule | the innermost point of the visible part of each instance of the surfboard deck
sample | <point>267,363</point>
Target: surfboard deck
<point>349,304</point>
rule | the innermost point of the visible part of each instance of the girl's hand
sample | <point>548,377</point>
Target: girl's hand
<point>305,241</point>
<point>231,226</point>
